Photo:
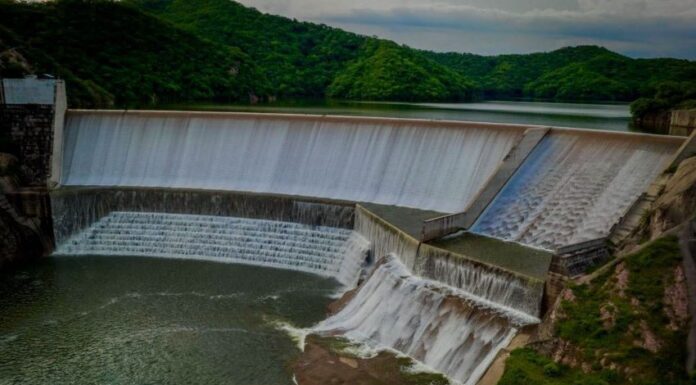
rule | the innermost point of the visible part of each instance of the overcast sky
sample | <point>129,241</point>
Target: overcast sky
<point>638,28</point>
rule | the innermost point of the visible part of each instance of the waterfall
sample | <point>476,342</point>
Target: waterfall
<point>485,283</point>
<point>414,164</point>
<point>431,322</point>
<point>573,188</point>
<point>75,209</point>
<point>326,251</point>
<point>385,238</point>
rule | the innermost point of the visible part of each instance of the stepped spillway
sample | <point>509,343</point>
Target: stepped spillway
<point>574,187</point>
<point>431,322</point>
<point>326,251</point>
<point>414,164</point>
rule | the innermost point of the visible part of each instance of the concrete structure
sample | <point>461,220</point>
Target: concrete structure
<point>682,122</point>
<point>29,90</point>
<point>32,113</point>
<point>441,226</point>
<point>574,260</point>
<point>33,118</point>
<point>634,215</point>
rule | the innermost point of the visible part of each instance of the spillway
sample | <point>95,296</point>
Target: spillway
<point>326,251</point>
<point>281,191</point>
<point>431,322</point>
<point>403,163</point>
<point>574,187</point>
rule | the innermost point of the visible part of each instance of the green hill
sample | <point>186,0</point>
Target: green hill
<point>571,73</point>
<point>137,52</point>
<point>115,54</point>
<point>386,71</point>
<point>299,59</point>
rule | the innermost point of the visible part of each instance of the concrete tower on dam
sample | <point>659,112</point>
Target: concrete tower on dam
<point>32,114</point>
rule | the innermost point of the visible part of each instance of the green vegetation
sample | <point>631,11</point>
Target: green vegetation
<point>114,54</point>
<point>386,71</point>
<point>621,327</point>
<point>669,95</point>
<point>572,73</point>
<point>298,59</point>
<point>527,367</point>
<point>137,52</point>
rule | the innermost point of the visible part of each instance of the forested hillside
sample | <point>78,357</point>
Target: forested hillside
<point>110,53</point>
<point>137,52</point>
<point>572,73</point>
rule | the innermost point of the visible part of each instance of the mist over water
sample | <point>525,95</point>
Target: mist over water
<point>87,320</point>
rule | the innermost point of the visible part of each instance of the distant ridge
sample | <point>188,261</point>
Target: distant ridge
<point>142,52</point>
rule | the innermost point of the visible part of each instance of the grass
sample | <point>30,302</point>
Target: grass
<point>650,272</point>
<point>527,367</point>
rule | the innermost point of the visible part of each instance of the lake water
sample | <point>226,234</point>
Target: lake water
<point>614,117</point>
<point>118,320</point>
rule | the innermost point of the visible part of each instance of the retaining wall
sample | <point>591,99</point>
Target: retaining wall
<point>75,209</point>
<point>487,282</point>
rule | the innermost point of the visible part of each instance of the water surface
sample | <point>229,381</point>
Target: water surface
<point>121,320</point>
<point>614,117</point>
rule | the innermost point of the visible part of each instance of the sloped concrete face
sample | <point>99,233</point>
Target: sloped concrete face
<point>575,186</point>
<point>427,165</point>
<point>444,225</point>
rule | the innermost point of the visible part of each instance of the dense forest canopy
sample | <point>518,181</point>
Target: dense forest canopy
<point>138,52</point>
<point>669,95</point>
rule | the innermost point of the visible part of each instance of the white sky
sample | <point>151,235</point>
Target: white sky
<point>638,28</point>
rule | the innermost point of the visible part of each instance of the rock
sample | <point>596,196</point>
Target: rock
<point>621,276</point>
<point>568,295</point>
<point>676,301</point>
<point>648,340</point>
<point>353,363</point>
<point>607,314</point>
<point>677,203</point>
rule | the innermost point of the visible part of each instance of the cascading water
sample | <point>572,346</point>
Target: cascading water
<point>409,164</point>
<point>326,251</point>
<point>75,209</point>
<point>573,188</point>
<point>439,326</point>
<point>484,282</point>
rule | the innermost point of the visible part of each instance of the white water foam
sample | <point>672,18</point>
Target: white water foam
<point>574,188</point>
<point>326,251</point>
<point>396,163</point>
<point>428,321</point>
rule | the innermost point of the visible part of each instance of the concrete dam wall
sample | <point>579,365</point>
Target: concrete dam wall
<point>281,191</point>
<point>402,163</point>
<point>546,188</point>
<point>575,186</point>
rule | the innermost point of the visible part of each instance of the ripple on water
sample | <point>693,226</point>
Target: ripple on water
<point>81,327</point>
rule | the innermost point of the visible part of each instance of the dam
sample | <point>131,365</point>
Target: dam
<point>447,230</point>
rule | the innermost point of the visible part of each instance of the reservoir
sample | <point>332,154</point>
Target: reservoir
<point>124,320</point>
